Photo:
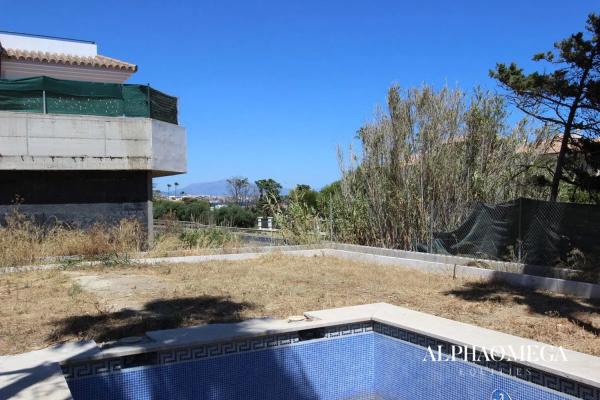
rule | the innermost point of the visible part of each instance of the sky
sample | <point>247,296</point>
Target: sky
<point>269,89</point>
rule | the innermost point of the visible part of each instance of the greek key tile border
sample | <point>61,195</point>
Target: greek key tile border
<point>348,329</point>
<point>513,369</point>
<point>193,353</point>
<point>221,349</point>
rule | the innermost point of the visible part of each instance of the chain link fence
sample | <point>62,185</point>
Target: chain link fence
<point>534,232</point>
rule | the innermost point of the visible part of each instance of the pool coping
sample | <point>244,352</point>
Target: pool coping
<point>39,373</point>
<point>579,366</point>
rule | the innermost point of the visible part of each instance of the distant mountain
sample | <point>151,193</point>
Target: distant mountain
<point>215,188</point>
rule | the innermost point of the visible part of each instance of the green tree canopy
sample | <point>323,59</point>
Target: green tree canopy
<point>239,187</point>
<point>269,191</point>
<point>305,195</point>
<point>235,215</point>
<point>567,96</point>
<point>187,210</point>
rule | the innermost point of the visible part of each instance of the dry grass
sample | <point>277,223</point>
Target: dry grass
<point>24,242</point>
<point>176,242</point>
<point>40,308</point>
<point>32,302</point>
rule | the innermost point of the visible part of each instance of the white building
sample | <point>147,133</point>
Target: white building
<point>75,143</point>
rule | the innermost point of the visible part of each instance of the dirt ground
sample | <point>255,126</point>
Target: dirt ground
<point>106,303</point>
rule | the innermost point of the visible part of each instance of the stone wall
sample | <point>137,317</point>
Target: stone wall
<point>82,215</point>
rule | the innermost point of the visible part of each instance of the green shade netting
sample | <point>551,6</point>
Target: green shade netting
<point>87,98</point>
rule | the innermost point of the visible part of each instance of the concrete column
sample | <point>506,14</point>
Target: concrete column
<point>259,222</point>
<point>149,211</point>
<point>270,222</point>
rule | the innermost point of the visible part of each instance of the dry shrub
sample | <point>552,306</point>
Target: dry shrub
<point>426,160</point>
<point>99,239</point>
<point>20,241</point>
<point>165,245</point>
<point>194,241</point>
<point>299,223</point>
<point>23,242</point>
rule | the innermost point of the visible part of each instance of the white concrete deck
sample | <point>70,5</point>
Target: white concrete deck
<point>37,374</point>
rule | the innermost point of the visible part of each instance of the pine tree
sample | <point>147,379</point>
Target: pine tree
<point>567,97</point>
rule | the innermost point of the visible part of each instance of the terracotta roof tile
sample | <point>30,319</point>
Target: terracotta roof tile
<point>59,58</point>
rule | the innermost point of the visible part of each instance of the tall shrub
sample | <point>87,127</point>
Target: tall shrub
<point>425,160</point>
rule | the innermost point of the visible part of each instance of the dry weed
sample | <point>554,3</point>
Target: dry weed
<point>24,242</point>
<point>40,308</point>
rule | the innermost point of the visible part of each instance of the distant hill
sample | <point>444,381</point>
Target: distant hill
<point>215,188</point>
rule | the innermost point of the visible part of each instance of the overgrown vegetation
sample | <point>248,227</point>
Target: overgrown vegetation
<point>269,193</point>
<point>196,210</point>
<point>565,95</point>
<point>185,210</point>
<point>423,162</point>
<point>178,241</point>
<point>298,220</point>
<point>429,156</point>
<point>236,216</point>
<point>205,238</point>
<point>426,160</point>
<point>44,307</point>
<point>24,242</point>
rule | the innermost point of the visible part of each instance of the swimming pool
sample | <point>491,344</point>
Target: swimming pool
<point>362,360</point>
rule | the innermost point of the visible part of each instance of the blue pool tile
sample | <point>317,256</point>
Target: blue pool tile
<point>358,364</point>
<point>405,371</point>
<point>323,369</point>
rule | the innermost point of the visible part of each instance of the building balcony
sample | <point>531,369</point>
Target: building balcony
<point>49,124</point>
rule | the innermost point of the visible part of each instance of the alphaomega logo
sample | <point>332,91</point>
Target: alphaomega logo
<point>530,353</point>
<point>500,395</point>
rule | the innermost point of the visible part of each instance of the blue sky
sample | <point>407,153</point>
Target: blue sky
<point>270,88</point>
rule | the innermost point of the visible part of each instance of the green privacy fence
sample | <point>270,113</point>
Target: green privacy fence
<point>48,95</point>
<point>533,232</point>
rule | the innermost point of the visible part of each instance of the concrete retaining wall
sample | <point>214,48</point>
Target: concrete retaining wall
<point>580,289</point>
<point>564,286</point>
<point>539,270</point>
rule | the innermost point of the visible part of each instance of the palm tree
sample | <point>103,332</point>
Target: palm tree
<point>176,184</point>
<point>168,189</point>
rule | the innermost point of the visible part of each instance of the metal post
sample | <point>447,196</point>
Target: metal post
<point>148,99</point>
<point>45,110</point>
<point>330,217</point>
<point>431,229</point>
<point>519,238</point>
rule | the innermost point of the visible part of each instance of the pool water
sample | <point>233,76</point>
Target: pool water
<point>355,363</point>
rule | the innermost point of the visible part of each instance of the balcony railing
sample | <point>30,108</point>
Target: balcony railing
<point>55,96</point>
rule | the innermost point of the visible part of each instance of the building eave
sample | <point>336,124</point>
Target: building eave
<point>98,61</point>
